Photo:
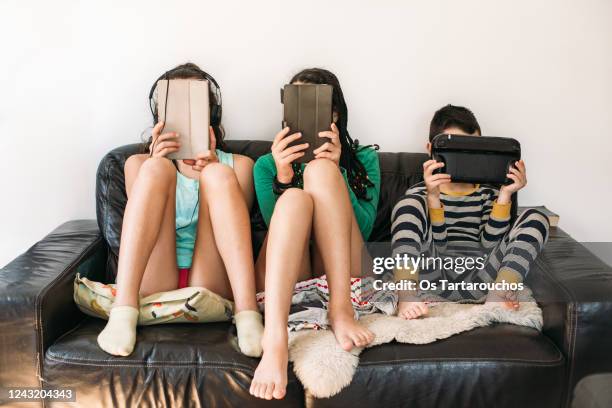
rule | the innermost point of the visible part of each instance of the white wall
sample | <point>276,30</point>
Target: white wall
<point>74,78</point>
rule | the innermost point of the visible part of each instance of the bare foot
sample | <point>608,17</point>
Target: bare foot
<point>507,298</point>
<point>349,333</point>
<point>270,379</point>
<point>412,309</point>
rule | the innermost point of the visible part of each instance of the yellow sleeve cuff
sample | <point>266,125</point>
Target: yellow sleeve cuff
<point>508,276</point>
<point>436,215</point>
<point>501,211</point>
<point>406,274</point>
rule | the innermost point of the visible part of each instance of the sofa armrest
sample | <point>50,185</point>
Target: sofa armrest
<point>574,290</point>
<point>36,297</point>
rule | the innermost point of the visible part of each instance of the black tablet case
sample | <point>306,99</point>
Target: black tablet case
<point>307,108</point>
<point>475,159</point>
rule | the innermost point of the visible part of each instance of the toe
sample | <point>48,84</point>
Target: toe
<point>268,391</point>
<point>347,345</point>
<point>357,339</point>
<point>279,390</point>
<point>253,389</point>
<point>261,391</point>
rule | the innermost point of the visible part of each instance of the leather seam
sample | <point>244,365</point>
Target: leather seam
<point>41,295</point>
<point>571,321</point>
<point>140,363</point>
<point>189,364</point>
<point>106,197</point>
<point>524,362</point>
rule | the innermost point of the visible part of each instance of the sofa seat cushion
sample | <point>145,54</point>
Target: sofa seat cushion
<point>496,366</point>
<point>173,365</point>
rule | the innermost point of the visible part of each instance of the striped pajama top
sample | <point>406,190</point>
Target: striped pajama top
<point>466,220</point>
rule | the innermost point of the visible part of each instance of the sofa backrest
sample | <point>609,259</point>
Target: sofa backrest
<point>399,171</point>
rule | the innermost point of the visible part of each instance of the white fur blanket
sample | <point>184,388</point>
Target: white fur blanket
<point>325,369</point>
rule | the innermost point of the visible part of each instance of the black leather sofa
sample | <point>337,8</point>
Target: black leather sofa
<point>45,341</point>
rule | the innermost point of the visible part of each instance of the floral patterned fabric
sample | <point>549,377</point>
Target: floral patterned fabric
<point>310,298</point>
<point>186,305</point>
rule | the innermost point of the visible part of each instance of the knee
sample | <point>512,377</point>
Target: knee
<point>535,221</point>
<point>318,170</point>
<point>412,205</point>
<point>217,175</point>
<point>295,200</point>
<point>156,169</point>
<point>134,162</point>
<point>533,216</point>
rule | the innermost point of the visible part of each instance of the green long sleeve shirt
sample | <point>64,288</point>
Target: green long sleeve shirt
<point>365,210</point>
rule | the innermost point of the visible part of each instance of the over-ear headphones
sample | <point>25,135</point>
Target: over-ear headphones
<point>215,103</point>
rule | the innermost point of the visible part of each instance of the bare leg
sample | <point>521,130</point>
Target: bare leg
<point>287,244</point>
<point>147,257</point>
<point>305,273</point>
<point>223,247</point>
<point>332,227</point>
<point>148,245</point>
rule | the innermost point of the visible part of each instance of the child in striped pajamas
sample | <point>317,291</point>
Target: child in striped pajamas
<point>438,218</point>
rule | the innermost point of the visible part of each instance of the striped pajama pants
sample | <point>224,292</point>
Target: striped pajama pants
<point>516,251</point>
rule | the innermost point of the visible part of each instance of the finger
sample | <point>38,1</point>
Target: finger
<point>440,176</point>
<point>513,177</point>
<point>325,146</point>
<point>197,168</point>
<point>520,173</point>
<point>521,165</point>
<point>167,136</point>
<point>166,151</point>
<point>333,137</point>
<point>280,135</point>
<point>156,129</point>
<point>213,138</point>
<point>294,156</point>
<point>293,149</point>
<point>164,145</point>
<point>282,145</point>
<point>432,166</point>
<point>427,163</point>
<point>324,155</point>
<point>335,129</point>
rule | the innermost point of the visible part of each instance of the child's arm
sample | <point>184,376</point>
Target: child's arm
<point>496,217</point>
<point>498,211</point>
<point>264,172</point>
<point>435,209</point>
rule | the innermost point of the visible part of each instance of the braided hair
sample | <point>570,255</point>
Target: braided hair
<point>355,170</point>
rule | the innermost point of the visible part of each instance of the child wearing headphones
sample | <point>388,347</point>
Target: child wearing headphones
<point>186,223</point>
<point>319,215</point>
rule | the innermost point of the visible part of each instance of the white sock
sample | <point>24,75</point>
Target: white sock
<point>249,324</point>
<point>119,335</point>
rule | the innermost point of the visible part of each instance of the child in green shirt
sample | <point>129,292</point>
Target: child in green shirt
<point>319,215</point>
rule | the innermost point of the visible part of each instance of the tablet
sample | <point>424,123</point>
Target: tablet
<point>475,159</point>
<point>183,106</point>
<point>307,108</point>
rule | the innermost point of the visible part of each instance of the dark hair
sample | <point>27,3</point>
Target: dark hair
<point>186,71</point>
<point>356,172</point>
<point>453,116</point>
